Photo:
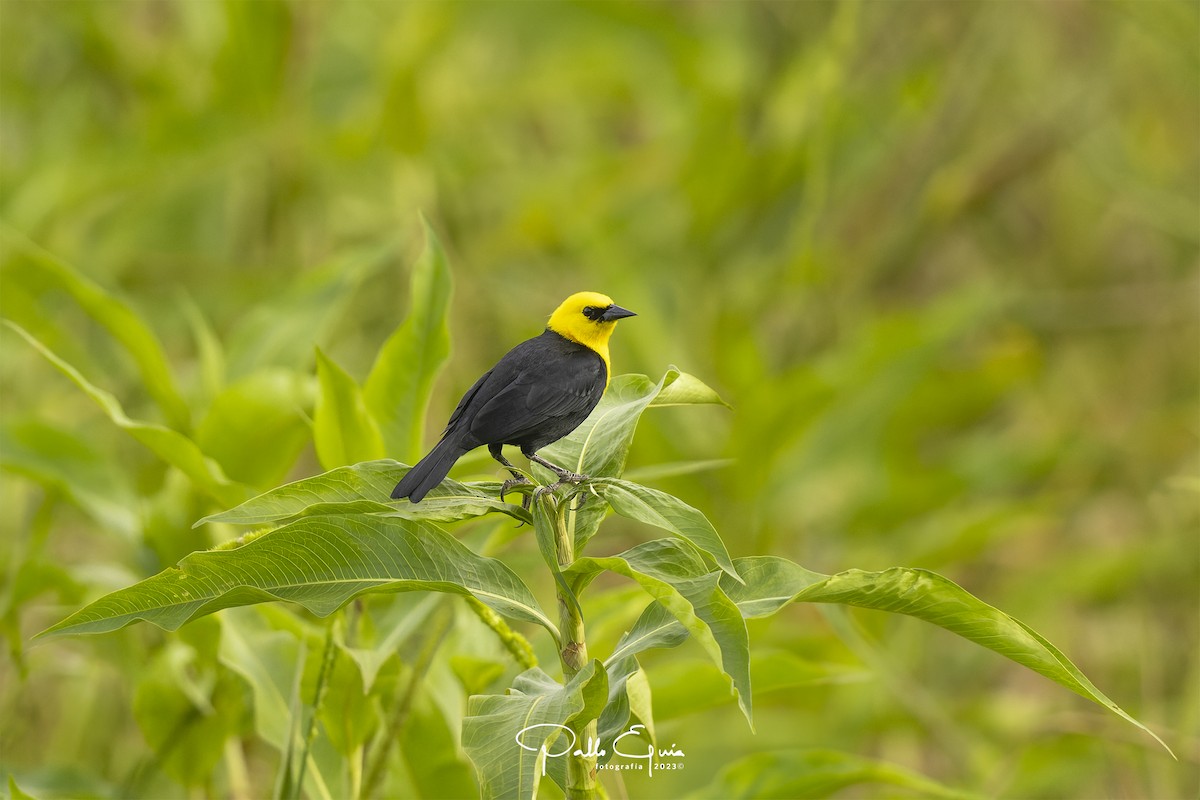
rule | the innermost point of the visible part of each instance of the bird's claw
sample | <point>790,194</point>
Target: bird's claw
<point>564,478</point>
<point>508,485</point>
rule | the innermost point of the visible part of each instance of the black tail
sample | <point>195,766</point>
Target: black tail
<point>429,471</point>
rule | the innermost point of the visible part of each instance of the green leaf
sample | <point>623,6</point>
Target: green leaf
<point>637,689</point>
<point>319,563</point>
<point>773,582</point>
<point>672,572</point>
<point>187,730</point>
<point>255,427</point>
<point>687,390</point>
<point>452,501</point>
<point>477,674</point>
<point>628,698</point>
<point>210,353</point>
<point>598,448</point>
<point>431,756</point>
<point>343,430</point>
<point>348,716</point>
<point>57,458</point>
<point>117,318</point>
<point>667,512</point>
<point>813,773</point>
<point>402,617</point>
<point>15,792</point>
<point>656,627</point>
<point>398,388</point>
<point>544,525</point>
<point>505,768</point>
<point>171,446</point>
<point>365,489</point>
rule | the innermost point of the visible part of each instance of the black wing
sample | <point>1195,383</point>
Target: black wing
<point>538,393</point>
<point>465,403</point>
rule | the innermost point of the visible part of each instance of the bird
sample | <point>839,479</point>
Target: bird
<point>536,394</point>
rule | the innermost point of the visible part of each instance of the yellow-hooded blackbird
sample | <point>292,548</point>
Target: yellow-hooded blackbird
<point>540,391</point>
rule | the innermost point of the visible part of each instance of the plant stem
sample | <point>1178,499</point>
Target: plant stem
<point>439,625</point>
<point>310,734</point>
<point>235,767</point>
<point>581,770</point>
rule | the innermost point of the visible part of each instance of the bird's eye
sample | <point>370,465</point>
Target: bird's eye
<point>592,313</point>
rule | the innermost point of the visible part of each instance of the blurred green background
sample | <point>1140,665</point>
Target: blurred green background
<point>940,257</point>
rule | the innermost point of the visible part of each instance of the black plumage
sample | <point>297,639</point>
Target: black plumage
<point>539,392</point>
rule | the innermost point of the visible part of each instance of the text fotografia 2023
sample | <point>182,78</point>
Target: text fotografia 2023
<point>593,750</point>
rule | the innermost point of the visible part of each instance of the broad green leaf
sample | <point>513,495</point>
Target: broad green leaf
<point>493,724</point>
<point>343,431</point>
<point>117,318</point>
<point>255,427</point>
<point>813,773</point>
<point>451,501</point>
<point>656,627</point>
<point>672,572</point>
<point>773,582</point>
<point>687,390</point>
<point>598,448</point>
<point>366,489</point>
<point>628,699</point>
<point>282,333</point>
<point>669,513</point>
<point>171,446</point>
<point>319,563</point>
<point>398,388</point>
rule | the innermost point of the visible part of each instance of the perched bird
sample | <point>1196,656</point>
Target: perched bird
<point>539,392</point>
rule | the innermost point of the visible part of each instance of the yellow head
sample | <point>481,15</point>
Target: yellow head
<point>589,319</point>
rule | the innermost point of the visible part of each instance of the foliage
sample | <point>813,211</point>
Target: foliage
<point>336,538</point>
<point>947,282</point>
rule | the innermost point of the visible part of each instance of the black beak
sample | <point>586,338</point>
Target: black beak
<point>614,313</point>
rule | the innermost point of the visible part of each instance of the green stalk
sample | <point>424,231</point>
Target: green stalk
<point>439,625</point>
<point>310,734</point>
<point>581,770</point>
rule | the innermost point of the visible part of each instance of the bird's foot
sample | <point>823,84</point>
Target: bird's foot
<point>572,478</point>
<point>564,475</point>
<point>516,480</point>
